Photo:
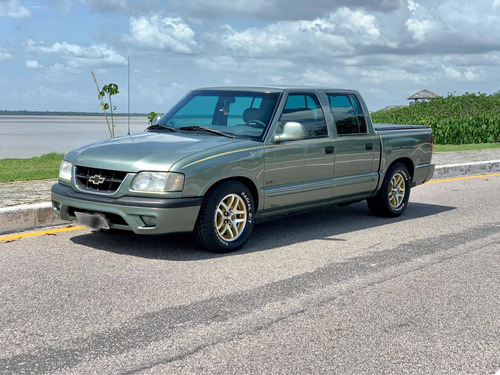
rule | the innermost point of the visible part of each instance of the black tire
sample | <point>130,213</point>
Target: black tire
<point>235,224</point>
<point>386,203</point>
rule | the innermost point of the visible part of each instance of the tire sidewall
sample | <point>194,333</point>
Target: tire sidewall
<point>397,168</point>
<point>242,191</point>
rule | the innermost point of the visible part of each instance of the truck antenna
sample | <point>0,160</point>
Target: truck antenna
<point>128,93</point>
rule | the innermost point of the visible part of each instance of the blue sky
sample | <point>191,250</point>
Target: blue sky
<point>387,50</point>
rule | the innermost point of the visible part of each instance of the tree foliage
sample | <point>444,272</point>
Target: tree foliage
<point>469,118</point>
<point>110,90</point>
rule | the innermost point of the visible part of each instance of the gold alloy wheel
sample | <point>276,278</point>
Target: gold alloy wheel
<point>231,217</point>
<point>397,188</point>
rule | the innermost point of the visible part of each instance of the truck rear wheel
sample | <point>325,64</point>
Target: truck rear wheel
<point>226,218</point>
<point>392,198</point>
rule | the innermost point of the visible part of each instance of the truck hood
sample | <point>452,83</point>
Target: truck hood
<point>144,151</point>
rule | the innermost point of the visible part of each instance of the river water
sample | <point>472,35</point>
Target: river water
<point>27,136</point>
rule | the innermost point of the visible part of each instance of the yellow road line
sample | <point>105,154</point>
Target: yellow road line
<point>41,233</point>
<point>462,178</point>
<point>80,227</point>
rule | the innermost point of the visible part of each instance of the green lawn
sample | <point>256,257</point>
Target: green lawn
<point>37,168</point>
<point>479,146</point>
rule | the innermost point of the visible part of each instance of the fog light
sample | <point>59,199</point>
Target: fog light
<point>150,221</point>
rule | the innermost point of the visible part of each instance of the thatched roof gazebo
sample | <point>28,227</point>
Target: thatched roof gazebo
<point>423,95</point>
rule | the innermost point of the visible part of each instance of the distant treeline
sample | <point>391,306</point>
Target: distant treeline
<point>6,112</point>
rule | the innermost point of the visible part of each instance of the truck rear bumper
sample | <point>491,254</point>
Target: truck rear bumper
<point>138,214</point>
<point>423,173</point>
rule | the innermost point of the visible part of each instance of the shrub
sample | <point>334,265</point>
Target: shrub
<point>469,118</point>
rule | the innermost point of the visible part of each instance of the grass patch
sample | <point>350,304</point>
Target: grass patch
<point>37,168</point>
<point>470,147</point>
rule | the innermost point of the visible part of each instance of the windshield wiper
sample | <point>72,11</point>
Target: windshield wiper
<point>197,127</point>
<point>160,126</point>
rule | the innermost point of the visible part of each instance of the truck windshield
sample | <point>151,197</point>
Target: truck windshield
<point>239,113</point>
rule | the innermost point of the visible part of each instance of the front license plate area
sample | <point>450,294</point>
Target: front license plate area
<point>94,220</point>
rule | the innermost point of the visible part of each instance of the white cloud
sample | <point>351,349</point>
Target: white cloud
<point>451,72</point>
<point>252,66</point>
<point>398,45</point>
<point>112,6</point>
<point>449,28</point>
<point>13,9</point>
<point>335,35</point>
<point>419,29</point>
<point>52,92</point>
<point>169,34</point>
<point>33,64</point>
<point>321,77</point>
<point>483,59</point>
<point>4,55</point>
<point>77,56</point>
<point>412,5</point>
<point>323,37</point>
<point>359,27</point>
<point>469,74</point>
<point>386,74</point>
<point>160,93</point>
<point>277,9</point>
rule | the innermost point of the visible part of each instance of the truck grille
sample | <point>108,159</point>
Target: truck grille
<point>98,180</point>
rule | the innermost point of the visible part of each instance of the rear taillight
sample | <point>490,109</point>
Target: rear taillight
<point>432,142</point>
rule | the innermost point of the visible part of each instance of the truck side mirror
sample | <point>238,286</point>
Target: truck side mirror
<point>156,119</point>
<point>292,131</point>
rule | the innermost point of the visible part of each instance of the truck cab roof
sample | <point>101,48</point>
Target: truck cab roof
<point>273,88</point>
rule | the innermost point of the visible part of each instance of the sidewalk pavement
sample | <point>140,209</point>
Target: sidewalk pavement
<point>25,205</point>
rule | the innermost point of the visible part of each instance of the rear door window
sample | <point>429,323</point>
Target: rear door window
<point>343,113</point>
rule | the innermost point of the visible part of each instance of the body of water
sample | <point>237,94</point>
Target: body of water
<point>27,136</point>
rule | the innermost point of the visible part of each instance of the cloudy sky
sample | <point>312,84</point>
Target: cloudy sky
<point>386,49</point>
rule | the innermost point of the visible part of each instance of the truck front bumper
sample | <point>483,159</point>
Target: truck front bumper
<point>141,215</point>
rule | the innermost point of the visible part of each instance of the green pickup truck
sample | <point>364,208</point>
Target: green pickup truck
<point>225,157</point>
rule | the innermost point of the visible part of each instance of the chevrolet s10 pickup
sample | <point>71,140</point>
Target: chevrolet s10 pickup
<point>225,157</point>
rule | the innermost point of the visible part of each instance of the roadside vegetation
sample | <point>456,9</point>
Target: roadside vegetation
<point>37,168</point>
<point>468,147</point>
<point>455,120</point>
<point>110,89</point>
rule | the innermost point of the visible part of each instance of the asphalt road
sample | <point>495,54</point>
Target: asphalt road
<point>332,291</point>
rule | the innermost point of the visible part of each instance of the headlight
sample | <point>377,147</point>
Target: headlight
<point>65,170</point>
<point>158,181</point>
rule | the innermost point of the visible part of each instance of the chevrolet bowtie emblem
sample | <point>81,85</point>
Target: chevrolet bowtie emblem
<point>97,180</point>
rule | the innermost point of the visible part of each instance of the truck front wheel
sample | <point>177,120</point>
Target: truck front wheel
<point>392,198</point>
<point>226,218</point>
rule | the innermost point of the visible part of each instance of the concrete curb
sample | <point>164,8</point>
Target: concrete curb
<point>28,216</point>
<point>452,170</point>
<point>17,218</point>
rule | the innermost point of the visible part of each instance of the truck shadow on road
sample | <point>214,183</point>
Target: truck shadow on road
<point>328,224</point>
